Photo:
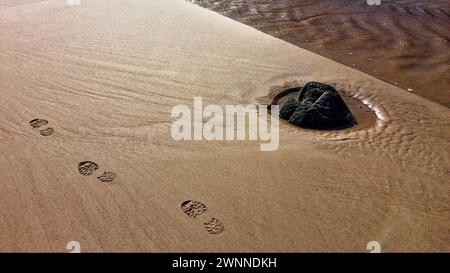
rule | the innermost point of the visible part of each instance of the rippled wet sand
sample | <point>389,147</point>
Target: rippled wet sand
<point>403,42</point>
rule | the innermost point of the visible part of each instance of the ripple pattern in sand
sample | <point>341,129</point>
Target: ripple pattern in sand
<point>411,134</point>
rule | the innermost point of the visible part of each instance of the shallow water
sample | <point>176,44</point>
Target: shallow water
<point>403,42</point>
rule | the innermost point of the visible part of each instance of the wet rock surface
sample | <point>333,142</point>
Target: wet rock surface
<point>319,106</point>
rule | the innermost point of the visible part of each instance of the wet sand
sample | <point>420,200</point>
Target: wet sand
<point>406,42</point>
<point>98,165</point>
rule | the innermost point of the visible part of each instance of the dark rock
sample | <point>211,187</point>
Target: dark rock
<point>319,107</point>
<point>289,108</point>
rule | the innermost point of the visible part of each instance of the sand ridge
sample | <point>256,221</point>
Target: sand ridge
<point>106,74</point>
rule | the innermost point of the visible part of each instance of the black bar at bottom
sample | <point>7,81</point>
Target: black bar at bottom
<point>220,262</point>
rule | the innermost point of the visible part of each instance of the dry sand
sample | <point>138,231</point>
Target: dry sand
<point>106,75</point>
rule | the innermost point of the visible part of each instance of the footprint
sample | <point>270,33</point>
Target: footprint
<point>87,168</point>
<point>193,208</point>
<point>107,177</point>
<point>37,123</point>
<point>214,227</point>
<point>47,132</point>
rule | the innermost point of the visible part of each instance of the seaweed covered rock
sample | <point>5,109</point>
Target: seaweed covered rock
<point>319,106</point>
